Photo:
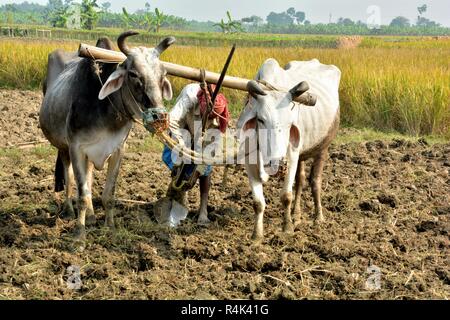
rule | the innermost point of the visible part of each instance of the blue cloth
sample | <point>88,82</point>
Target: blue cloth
<point>167,158</point>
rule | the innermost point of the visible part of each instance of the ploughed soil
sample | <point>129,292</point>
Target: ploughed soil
<point>386,234</point>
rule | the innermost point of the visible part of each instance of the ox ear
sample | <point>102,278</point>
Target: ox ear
<point>246,118</point>
<point>294,136</point>
<point>167,90</point>
<point>250,124</point>
<point>114,83</point>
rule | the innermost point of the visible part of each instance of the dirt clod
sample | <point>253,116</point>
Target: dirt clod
<point>386,205</point>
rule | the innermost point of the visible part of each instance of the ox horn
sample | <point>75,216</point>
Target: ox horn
<point>299,89</point>
<point>255,89</point>
<point>299,94</point>
<point>121,41</point>
<point>166,43</point>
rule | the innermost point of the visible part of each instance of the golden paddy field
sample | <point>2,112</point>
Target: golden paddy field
<point>391,88</point>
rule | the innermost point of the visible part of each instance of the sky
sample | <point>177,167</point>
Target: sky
<point>316,10</point>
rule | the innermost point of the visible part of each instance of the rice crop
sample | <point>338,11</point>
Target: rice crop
<point>403,88</point>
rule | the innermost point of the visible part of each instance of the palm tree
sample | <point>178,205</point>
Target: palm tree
<point>230,26</point>
<point>127,19</point>
<point>222,25</point>
<point>159,19</point>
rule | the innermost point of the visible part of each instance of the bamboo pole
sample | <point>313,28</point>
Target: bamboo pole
<point>104,55</point>
<point>110,56</point>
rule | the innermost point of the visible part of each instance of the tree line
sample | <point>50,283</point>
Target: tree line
<point>90,14</point>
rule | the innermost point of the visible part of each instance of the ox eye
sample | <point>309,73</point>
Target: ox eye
<point>133,74</point>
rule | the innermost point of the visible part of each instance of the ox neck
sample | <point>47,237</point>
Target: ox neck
<point>120,102</point>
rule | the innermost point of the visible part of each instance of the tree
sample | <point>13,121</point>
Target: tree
<point>89,14</point>
<point>9,13</point>
<point>175,22</point>
<point>231,26</point>
<point>252,22</point>
<point>145,19</point>
<point>300,16</point>
<point>279,19</point>
<point>9,17</point>
<point>291,12</point>
<point>424,22</point>
<point>346,22</point>
<point>58,12</point>
<point>106,6</point>
<point>160,18</point>
<point>400,22</point>
<point>127,19</point>
<point>296,16</point>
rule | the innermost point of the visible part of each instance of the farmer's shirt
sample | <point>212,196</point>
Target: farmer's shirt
<point>186,115</point>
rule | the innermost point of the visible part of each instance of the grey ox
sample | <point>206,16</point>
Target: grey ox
<point>89,122</point>
<point>292,132</point>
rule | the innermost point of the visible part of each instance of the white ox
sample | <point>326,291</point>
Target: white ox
<point>296,132</point>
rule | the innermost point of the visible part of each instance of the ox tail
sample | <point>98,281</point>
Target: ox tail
<point>44,86</point>
<point>59,174</point>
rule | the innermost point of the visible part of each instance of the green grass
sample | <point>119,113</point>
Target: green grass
<point>149,144</point>
<point>14,154</point>
<point>406,42</point>
<point>44,151</point>
<point>211,39</point>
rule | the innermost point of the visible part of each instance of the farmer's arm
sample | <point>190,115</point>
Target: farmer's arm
<point>186,102</point>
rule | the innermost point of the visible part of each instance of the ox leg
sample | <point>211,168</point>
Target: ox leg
<point>286,195</point>
<point>300,182</point>
<point>80,167</point>
<point>205,183</point>
<point>316,184</point>
<point>110,186</point>
<point>68,211</point>
<point>259,203</point>
<point>90,215</point>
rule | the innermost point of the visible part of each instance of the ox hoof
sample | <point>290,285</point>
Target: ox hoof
<point>288,227</point>
<point>91,220</point>
<point>79,233</point>
<point>297,223</point>
<point>110,225</point>
<point>67,213</point>
<point>257,237</point>
<point>319,220</point>
<point>203,221</point>
<point>79,241</point>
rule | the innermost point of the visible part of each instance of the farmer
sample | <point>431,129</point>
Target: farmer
<point>192,119</point>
